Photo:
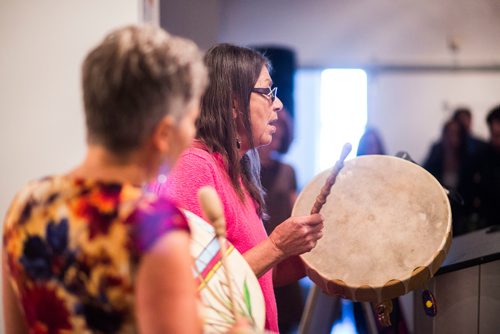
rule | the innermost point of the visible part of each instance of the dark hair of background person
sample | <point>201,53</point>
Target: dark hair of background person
<point>461,111</point>
<point>462,135</point>
<point>493,115</point>
<point>368,139</point>
<point>233,72</point>
<point>447,157</point>
<point>434,161</point>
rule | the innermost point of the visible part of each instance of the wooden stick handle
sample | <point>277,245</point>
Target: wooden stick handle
<point>212,209</point>
<point>325,190</point>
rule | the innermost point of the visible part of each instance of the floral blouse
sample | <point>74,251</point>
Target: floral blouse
<point>73,247</point>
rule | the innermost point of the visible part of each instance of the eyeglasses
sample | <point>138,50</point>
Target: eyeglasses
<point>270,93</point>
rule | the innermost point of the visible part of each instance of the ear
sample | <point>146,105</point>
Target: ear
<point>162,134</point>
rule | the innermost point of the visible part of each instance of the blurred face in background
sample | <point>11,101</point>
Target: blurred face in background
<point>452,136</point>
<point>466,121</point>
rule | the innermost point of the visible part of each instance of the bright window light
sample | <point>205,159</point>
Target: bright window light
<point>345,325</point>
<point>343,113</point>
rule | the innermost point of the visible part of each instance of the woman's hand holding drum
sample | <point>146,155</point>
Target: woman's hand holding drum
<point>297,235</point>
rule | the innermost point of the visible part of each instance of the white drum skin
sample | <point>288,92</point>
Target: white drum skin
<point>387,229</point>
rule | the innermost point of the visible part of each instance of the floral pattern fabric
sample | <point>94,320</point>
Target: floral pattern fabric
<point>73,247</point>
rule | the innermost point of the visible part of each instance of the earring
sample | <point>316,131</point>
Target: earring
<point>238,143</point>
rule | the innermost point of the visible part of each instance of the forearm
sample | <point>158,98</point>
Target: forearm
<point>263,257</point>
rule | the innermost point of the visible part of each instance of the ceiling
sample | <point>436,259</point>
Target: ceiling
<point>363,32</point>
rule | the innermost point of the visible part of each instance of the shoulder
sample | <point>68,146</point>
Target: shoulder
<point>195,160</point>
<point>435,151</point>
<point>152,218</point>
<point>285,171</point>
<point>288,168</point>
<point>159,210</point>
<point>32,194</point>
<point>438,145</point>
<point>195,153</point>
<point>196,166</point>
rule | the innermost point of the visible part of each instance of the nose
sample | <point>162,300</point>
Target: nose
<point>277,104</point>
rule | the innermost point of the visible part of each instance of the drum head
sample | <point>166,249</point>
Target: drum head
<point>212,284</point>
<point>387,229</point>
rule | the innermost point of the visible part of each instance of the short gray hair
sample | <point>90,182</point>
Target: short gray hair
<point>136,76</point>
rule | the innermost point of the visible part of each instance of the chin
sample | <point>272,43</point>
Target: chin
<point>265,141</point>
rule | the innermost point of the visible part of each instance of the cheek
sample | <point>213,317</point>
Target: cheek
<point>258,128</point>
<point>263,117</point>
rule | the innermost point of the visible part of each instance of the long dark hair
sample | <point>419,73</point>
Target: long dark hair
<point>233,72</point>
<point>461,150</point>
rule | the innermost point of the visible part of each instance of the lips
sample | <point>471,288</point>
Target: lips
<point>272,125</point>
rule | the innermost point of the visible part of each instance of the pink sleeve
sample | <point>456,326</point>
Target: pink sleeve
<point>191,172</point>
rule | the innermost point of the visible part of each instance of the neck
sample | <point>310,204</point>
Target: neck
<point>100,164</point>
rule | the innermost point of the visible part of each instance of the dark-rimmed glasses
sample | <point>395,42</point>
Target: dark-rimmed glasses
<point>270,93</point>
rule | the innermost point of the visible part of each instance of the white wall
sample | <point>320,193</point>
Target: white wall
<point>304,148</point>
<point>43,43</point>
<point>41,118</point>
<point>194,19</point>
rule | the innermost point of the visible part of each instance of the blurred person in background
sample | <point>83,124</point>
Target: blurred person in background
<point>370,143</point>
<point>280,183</point>
<point>474,145</point>
<point>486,199</point>
<point>452,165</point>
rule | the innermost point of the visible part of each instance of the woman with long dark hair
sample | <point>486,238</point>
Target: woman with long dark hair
<point>238,112</point>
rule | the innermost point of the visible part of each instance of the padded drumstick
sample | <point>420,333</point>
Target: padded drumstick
<point>212,209</point>
<point>325,190</point>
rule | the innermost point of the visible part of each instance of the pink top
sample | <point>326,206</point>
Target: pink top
<point>197,168</point>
